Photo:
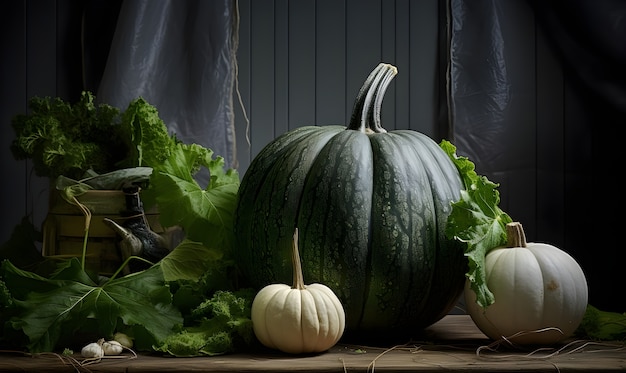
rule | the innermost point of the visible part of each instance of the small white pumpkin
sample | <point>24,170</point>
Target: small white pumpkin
<point>300,318</point>
<point>536,286</point>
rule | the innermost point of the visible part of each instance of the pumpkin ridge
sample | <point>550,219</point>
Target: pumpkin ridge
<point>404,217</point>
<point>445,186</point>
<point>325,204</point>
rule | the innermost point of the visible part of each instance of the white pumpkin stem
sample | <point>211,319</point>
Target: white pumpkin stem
<point>298,279</point>
<point>515,235</point>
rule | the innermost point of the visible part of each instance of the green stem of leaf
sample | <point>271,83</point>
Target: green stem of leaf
<point>126,263</point>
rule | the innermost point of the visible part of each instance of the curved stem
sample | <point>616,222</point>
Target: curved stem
<point>515,235</point>
<point>359,102</point>
<point>378,98</point>
<point>114,275</point>
<point>298,279</point>
<point>367,106</point>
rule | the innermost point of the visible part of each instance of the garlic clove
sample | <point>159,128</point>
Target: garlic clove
<point>112,348</point>
<point>93,350</point>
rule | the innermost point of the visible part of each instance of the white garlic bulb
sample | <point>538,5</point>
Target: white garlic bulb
<point>93,350</point>
<point>112,348</point>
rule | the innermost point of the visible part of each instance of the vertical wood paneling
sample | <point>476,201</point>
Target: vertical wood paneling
<point>302,53</point>
<point>423,78</point>
<point>282,40</point>
<point>363,44</point>
<point>242,87</point>
<point>306,61</point>
<point>388,37</point>
<point>262,74</point>
<point>41,45</point>
<point>331,96</point>
<point>402,60</point>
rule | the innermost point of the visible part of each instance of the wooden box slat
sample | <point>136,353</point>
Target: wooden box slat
<point>64,228</point>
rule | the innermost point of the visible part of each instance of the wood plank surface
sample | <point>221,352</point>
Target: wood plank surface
<point>454,344</point>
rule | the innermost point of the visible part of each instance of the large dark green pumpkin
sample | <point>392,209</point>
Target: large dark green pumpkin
<point>371,207</point>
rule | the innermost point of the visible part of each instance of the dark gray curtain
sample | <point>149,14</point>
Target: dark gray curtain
<point>548,170</point>
<point>180,57</point>
<point>480,85</point>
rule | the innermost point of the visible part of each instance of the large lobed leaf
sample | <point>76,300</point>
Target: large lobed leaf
<point>56,308</point>
<point>189,262</point>
<point>206,214</point>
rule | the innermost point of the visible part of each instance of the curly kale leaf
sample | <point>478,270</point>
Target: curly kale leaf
<point>221,324</point>
<point>68,139</point>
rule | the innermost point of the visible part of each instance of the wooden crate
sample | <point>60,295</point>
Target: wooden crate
<point>64,229</point>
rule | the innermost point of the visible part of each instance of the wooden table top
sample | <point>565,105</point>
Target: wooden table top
<point>453,344</point>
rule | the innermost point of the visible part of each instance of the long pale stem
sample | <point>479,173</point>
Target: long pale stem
<point>298,279</point>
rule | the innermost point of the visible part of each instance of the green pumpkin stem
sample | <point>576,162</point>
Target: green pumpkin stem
<point>515,235</point>
<point>368,103</point>
<point>298,279</point>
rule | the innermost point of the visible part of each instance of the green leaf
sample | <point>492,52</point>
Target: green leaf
<point>68,139</point>
<point>602,325</point>
<point>188,261</point>
<point>223,324</point>
<point>68,303</point>
<point>148,134</point>
<point>206,215</point>
<point>477,220</point>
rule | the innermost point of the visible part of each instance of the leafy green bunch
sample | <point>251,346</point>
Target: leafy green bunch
<point>72,139</point>
<point>190,292</point>
<point>67,139</point>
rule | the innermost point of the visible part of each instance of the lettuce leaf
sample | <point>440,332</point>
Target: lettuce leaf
<point>150,141</point>
<point>477,220</point>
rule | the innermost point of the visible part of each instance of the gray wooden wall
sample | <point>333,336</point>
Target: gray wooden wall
<point>303,62</point>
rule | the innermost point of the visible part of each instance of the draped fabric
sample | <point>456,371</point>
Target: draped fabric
<point>180,57</point>
<point>588,36</point>
<point>479,80</point>
<point>544,138</point>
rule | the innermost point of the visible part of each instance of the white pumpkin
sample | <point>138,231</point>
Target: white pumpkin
<point>535,286</point>
<point>300,318</point>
